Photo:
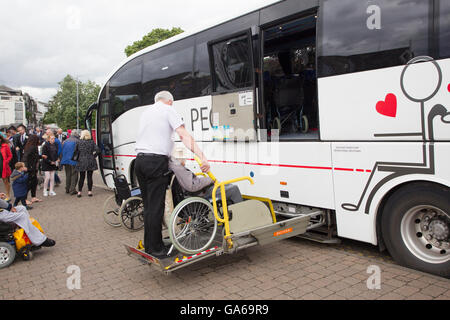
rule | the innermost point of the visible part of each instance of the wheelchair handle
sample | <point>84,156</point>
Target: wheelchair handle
<point>213,178</point>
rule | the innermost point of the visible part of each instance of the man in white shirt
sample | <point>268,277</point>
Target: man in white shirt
<point>154,146</point>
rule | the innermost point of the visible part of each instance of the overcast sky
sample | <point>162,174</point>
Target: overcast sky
<point>43,41</point>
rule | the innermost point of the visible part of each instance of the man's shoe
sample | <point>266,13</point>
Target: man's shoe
<point>161,254</point>
<point>73,193</point>
<point>29,207</point>
<point>48,243</point>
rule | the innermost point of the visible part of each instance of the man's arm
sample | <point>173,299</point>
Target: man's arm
<point>187,179</point>
<point>190,143</point>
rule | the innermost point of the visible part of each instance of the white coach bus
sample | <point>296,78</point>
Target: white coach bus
<point>341,105</point>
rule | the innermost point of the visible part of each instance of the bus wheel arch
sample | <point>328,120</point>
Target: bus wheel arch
<point>399,225</point>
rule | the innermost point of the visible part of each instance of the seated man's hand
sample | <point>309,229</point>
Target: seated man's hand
<point>13,209</point>
<point>205,166</point>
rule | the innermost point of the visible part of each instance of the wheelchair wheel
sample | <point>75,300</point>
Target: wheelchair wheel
<point>192,225</point>
<point>7,254</point>
<point>132,214</point>
<point>111,212</point>
<point>305,124</point>
<point>276,124</point>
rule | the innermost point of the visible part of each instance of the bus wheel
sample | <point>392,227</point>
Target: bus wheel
<point>416,227</point>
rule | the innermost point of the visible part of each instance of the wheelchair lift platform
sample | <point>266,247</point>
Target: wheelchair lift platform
<point>174,262</point>
<point>260,235</point>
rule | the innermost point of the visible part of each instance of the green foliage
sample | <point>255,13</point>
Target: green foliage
<point>155,36</point>
<point>62,109</point>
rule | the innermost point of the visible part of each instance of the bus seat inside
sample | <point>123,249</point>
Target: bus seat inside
<point>289,79</point>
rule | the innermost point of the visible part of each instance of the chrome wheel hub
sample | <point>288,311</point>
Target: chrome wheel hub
<point>5,255</point>
<point>425,232</point>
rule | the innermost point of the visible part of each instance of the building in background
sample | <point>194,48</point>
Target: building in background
<point>12,107</point>
<point>42,108</point>
<point>17,108</point>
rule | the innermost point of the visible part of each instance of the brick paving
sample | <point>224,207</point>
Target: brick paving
<point>287,270</point>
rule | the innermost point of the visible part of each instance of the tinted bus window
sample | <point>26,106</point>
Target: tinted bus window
<point>358,35</point>
<point>125,88</point>
<point>444,28</point>
<point>232,64</point>
<point>169,68</point>
<point>202,73</point>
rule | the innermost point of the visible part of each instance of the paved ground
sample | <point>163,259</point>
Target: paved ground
<point>291,269</point>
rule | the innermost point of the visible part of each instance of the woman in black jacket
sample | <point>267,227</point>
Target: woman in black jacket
<point>31,159</point>
<point>86,151</point>
<point>49,164</point>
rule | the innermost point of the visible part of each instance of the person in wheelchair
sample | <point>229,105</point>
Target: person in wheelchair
<point>19,216</point>
<point>188,183</point>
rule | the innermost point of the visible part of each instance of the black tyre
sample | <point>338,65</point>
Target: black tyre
<point>7,254</point>
<point>416,227</point>
<point>131,214</point>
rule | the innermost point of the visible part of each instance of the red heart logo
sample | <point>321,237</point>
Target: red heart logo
<point>388,107</point>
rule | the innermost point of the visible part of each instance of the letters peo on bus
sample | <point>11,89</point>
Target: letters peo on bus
<point>330,104</point>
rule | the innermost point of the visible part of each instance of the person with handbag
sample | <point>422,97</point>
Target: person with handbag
<point>69,160</point>
<point>86,151</point>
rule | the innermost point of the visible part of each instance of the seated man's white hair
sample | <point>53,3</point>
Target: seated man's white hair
<point>163,95</point>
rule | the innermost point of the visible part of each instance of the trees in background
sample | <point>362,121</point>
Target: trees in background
<point>155,36</point>
<point>62,108</point>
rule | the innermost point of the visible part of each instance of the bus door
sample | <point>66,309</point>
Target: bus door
<point>234,91</point>
<point>88,120</point>
<point>105,138</point>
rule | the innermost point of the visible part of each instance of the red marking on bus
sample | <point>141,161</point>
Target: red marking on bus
<point>388,107</point>
<point>265,164</point>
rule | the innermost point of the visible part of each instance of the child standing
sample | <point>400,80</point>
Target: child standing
<point>19,179</point>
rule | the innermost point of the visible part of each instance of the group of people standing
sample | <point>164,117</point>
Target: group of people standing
<point>23,156</point>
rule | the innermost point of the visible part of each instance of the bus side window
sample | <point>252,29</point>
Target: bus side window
<point>125,88</point>
<point>202,74</point>
<point>359,36</point>
<point>232,64</point>
<point>169,68</point>
<point>444,28</point>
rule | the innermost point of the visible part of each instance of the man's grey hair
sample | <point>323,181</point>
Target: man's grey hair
<point>75,133</point>
<point>163,95</point>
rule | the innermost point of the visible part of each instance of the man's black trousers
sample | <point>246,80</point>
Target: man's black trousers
<point>150,172</point>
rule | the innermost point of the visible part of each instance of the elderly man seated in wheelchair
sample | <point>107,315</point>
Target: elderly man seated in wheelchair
<point>187,183</point>
<point>19,216</point>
